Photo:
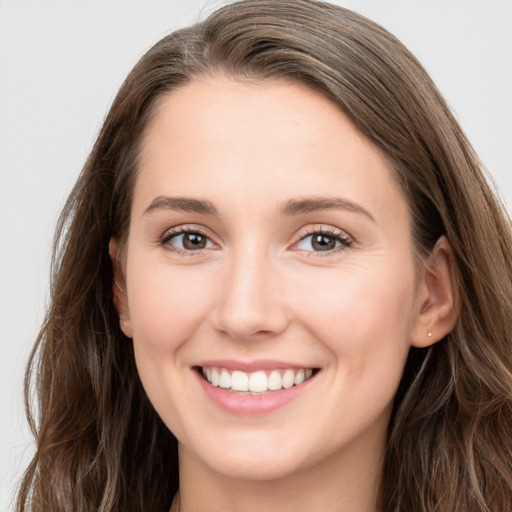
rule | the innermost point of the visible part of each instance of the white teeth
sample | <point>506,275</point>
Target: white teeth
<point>275,381</point>
<point>215,377</point>
<point>288,379</point>
<point>239,381</point>
<point>256,382</point>
<point>299,378</point>
<point>225,379</point>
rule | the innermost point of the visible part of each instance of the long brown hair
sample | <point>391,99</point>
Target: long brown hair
<point>100,444</point>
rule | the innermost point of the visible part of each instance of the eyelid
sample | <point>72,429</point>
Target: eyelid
<point>181,229</point>
<point>345,239</point>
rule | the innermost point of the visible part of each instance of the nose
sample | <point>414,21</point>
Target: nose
<point>251,303</point>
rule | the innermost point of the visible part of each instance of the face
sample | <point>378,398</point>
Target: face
<point>269,277</point>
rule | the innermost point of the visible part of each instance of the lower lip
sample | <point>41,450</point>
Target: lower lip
<point>251,405</point>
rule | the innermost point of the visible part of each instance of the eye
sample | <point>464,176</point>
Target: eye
<point>323,241</point>
<point>187,240</point>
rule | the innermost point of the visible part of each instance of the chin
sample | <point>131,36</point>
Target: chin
<point>256,459</point>
<point>238,468</point>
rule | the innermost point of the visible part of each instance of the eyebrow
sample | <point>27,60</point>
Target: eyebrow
<point>183,204</point>
<point>313,204</point>
<point>291,207</point>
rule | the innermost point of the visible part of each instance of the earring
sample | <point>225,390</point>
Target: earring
<point>429,334</point>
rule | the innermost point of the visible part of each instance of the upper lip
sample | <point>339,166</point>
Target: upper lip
<point>252,366</point>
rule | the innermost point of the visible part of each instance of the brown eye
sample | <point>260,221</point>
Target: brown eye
<point>187,241</point>
<point>194,241</point>
<point>322,242</point>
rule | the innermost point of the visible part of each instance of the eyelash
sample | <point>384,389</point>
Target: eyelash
<point>339,236</point>
<point>182,230</point>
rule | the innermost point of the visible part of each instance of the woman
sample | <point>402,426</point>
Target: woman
<point>281,282</point>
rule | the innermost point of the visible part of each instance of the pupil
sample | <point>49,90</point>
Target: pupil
<point>323,243</point>
<point>193,241</point>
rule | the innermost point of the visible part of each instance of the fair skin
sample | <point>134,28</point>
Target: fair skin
<point>268,236</point>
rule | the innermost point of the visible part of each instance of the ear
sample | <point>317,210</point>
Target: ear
<point>436,297</point>
<point>119,290</point>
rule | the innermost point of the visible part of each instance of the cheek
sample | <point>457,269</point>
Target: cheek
<point>362,315</point>
<point>166,306</point>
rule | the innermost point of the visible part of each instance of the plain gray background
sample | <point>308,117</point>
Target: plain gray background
<point>61,64</point>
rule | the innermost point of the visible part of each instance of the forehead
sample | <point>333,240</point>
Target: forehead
<point>275,140</point>
<point>272,112</point>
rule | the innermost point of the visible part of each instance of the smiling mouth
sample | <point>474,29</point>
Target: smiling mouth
<point>258,382</point>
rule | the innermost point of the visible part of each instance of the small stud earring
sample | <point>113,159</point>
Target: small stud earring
<point>429,334</point>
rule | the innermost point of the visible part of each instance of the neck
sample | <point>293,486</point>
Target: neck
<point>343,482</point>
